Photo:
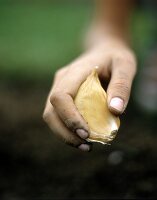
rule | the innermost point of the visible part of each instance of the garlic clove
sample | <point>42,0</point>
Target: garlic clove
<point>91,102</point>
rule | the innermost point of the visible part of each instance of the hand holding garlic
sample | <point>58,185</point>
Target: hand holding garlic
<point>117,66</point>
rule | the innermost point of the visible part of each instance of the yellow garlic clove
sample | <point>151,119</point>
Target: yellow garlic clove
<point>91,102</point>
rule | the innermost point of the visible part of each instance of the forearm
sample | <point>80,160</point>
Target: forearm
<point>113,16</point>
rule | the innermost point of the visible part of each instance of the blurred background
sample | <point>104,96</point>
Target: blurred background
<point>36,38</point>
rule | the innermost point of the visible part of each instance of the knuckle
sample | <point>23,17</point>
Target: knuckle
<point>46,116</point>
<point>58,73</point>
<point>61,72</point>
<point>55,97</point>
<point>125,58</point>
<point>73,125</point>
<point>122,88</point>
<point>73,141</point>
<point>119,58</point>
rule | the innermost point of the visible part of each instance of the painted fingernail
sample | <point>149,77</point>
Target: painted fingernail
<point>117,104</point>
<point>82,133</point>
<point>84,147</point>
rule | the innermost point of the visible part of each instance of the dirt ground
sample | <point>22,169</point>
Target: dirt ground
<point>36,165</point>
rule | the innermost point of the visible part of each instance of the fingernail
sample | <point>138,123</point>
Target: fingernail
<point>117,104</point>
<point>82,133</point>
<point>84,147</point>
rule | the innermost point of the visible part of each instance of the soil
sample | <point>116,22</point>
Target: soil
<point>37,165</point>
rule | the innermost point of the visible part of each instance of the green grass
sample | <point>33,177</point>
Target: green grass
<point>37,39</point>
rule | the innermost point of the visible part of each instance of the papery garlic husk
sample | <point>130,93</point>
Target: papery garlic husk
<point>91,102</point>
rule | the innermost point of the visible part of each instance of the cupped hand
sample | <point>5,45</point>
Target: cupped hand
<point>117,66</point>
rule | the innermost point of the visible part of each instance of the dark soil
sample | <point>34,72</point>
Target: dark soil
<point>36,165</point>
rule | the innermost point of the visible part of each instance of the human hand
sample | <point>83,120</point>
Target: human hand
<point>117,66</point>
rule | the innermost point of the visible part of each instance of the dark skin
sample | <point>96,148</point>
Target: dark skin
<point>108,48</point>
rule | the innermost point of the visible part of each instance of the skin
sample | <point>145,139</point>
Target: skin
<point>107,47</point>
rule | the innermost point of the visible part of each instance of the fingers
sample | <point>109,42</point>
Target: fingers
<point>64,106</point>
<point>58,128</point>
<point>122,73</point>
<point>62,99</point>
<point>56,123</point>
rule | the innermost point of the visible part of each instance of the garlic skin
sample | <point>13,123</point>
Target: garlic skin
<point>91,102</point>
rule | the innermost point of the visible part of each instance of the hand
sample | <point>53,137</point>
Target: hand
<point>117,65</point>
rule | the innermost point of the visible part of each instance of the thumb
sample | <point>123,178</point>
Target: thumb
<point>119,88</point>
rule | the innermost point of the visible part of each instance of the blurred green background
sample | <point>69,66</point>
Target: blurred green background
<point>37,38</point>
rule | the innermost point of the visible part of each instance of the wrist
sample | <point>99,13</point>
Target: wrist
<point>106,34</point>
